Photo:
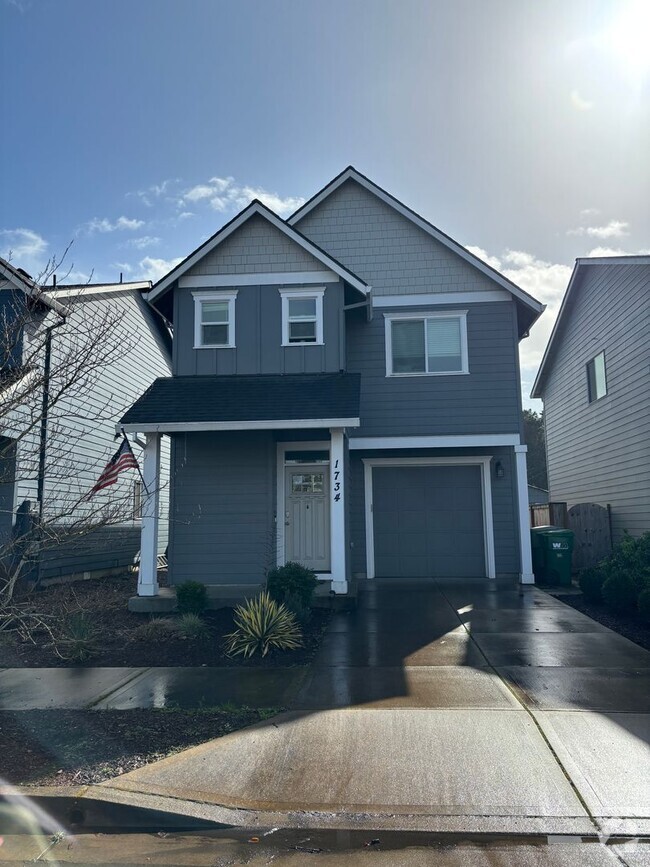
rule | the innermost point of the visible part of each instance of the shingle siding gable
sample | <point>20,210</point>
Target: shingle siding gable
<point>384,248</point>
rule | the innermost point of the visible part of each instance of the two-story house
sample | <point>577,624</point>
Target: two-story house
<point>345,394</point>
<point>594,381</point>
<point>73,359</point>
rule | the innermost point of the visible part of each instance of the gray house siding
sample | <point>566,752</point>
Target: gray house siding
<point>258,336</point>
<point>222,527</point>
<point>7,480</point>
<point>600,452</point>
<point>485,401</point>
<point>384,248</point>
<point>504,503</point>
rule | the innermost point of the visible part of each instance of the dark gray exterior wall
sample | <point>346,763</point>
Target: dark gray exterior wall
<point>485,401</point>
<point>504,503</point>
<point>258,336</point>
<point>222,528</point>
<point>7,481</point>
<point>600,452</point>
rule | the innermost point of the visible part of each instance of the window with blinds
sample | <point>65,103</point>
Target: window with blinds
<point>435,344</point>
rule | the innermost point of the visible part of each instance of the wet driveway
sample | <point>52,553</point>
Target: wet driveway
<point>473,706</point>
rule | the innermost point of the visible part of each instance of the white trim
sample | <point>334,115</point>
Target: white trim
<point>280,491</point>
<point>484,461</point>
<point>109,289</point>
<point>338,548</point>
<point>353,174</point>
<point>429,298</point>
<point>461,315</point>
<point>526,575</point>
<point>435,442</point>
<point>148,568</point>
<point>263,279</point>
<point>315,294</point>
<point>641,259</point>
<point>269,424</point>
<point>254,208</point>
<point>199,298</point>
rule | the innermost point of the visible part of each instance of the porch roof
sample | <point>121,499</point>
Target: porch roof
<point>241,402</point>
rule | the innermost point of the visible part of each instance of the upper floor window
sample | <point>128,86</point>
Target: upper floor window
<point>426,345</point>
<point>596,379</point>
<point>214,320</point>
<point>302,316</point>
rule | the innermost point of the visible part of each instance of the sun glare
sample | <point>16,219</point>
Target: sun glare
<point>627,38</point>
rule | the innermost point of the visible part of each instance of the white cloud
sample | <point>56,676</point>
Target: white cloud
<point>142,243</point>
<point>153,269</point>
<point>104,225</point>
<point>20,244</point>
<point>225,193</point>
<point>613,229</point>
<point>589,212</point>
<point>580,102</point>
<point>615,251</point>
<point>480,253</point>
<point>155,191</point>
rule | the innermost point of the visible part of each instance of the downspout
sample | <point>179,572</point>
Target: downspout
<point>42,450</point>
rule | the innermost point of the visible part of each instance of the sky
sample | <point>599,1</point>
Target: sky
<point>133,129</point>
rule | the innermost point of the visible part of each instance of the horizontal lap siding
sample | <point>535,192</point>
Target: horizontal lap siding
<point>223,501</point>
<point>600,452</point>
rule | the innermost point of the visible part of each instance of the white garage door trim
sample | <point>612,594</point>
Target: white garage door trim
<point>482,461</point>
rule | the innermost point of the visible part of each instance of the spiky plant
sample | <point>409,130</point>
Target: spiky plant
<point>192,628</point>
<point>79,637</point>
<point>262,624</point>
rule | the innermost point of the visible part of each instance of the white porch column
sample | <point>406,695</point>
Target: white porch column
<point>337,511</point>
<point>148,571</point>
<point>526,576</point>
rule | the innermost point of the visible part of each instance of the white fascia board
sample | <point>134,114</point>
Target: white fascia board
<point>110,289</point>
<point>248,212</point>
<point>33,290</point>
<point>421,223</point>
<point>431,299</point>
<point>435,442</point>
<point>535,390</point>
<point>614,260</point>
<point>271,424</point>
<point>281,278</point>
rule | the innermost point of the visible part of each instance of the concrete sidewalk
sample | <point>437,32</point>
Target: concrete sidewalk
<point>479,707</point>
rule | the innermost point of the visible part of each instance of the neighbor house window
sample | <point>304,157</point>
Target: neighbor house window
<point>596,379</point>
<point>214,320</point>
<point>302,316</point>
<point>426,345</point>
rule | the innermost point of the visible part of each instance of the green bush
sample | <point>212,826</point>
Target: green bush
<point>191,597</point>
<point>591,583</point>
<point>644,604</point>
<point>262,624</point>
<point>154,630</point>
<point>292,584</point>
<point>192,628</point>
<point>620,591</point>
<point>79,637</point>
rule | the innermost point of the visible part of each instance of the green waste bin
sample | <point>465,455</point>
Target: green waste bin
<point>557,548</point>
<point>538,550</point>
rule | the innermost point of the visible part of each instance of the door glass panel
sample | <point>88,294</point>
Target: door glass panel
<point>307,483</point>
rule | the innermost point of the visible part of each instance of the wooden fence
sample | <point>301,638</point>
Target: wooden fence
<point>548,514</point>
<point>591,525</point>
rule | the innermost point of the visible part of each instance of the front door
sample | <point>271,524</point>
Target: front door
<point>307,516</point>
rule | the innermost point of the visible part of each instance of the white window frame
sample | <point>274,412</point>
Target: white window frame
<point>302,295</point>
<point>450,314</point>
<point>596,397</point>
<point>199,298</point>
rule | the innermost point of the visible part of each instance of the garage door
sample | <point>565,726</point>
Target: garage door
<point>428,521</point>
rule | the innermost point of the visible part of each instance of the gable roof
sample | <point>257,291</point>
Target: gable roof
<point>257,207</point>
<point>350,173</point>
<point>576,277</point>
<point>22,281</point>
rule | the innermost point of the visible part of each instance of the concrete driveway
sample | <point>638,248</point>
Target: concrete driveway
<point>464,706</point>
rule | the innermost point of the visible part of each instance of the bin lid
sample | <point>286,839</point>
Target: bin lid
<point>557,531</point>
<point>544,529</point>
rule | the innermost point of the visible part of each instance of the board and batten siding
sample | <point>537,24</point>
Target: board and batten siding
<point>600,452</point>
<point>384,248</point>
<point>81,433</point>
<point>504,499</point>
<point>258,335</point>
<point>222,507</point>
<point>485,401</point>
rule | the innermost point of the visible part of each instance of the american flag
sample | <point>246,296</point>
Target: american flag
<point>123,459</point>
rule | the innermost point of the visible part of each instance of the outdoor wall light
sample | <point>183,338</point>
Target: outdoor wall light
<point>499,472</point>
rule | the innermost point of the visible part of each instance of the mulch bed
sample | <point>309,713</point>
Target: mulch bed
<point>81,747</point>
<point>106,601</point>
<point>628,625</point>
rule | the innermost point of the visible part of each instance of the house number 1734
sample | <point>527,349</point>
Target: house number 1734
<point>337,482</point>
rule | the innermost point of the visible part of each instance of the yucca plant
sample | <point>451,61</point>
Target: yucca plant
<point>262,623</point>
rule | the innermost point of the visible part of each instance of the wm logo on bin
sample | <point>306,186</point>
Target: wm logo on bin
<point>560,546</point>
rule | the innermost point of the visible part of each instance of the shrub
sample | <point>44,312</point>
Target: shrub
<point>79,637</point>
<point>620,590</point>
<point>292,584</point>
<point>192,628</point>
<point>644,604</point>
<point>261,624</point>
<point>156,629</point>
<point>191,597</point>
<point>591,583</point>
